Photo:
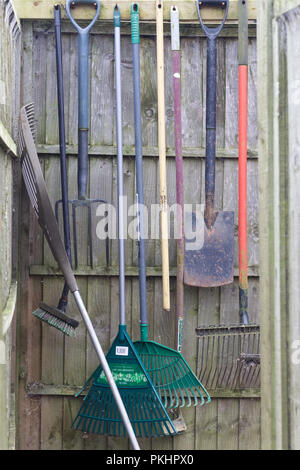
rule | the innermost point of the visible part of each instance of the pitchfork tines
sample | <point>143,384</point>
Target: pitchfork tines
<point>75,203</point>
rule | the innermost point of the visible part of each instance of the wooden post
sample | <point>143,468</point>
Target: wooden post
<point>278,79</point>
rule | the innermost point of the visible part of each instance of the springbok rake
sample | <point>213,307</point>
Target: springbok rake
<point>229,357</point>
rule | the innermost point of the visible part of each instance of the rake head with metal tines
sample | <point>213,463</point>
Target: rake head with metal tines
<point>88,204</point>
<point>171,376</point>
<point>228,357</point>
<point>35,185</point>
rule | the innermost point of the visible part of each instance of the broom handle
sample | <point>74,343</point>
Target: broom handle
<point>62,143</point>
<point>243,109</point>
<point>117,25</point>
<point>162,155</point>
<point>175,45</point>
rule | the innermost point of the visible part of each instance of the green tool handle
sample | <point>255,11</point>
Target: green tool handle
<point>243,32</point>
<point>135,24</point>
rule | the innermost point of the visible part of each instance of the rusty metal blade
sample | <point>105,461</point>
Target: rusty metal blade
<point>212,264</point>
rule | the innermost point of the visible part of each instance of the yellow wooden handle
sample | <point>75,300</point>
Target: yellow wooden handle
<point>162,154</point>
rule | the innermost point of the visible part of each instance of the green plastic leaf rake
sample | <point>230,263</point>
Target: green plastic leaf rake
<point>99,413</point>
<point>171,375</point>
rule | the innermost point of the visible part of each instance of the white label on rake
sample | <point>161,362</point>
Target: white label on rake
<point>121,351</point>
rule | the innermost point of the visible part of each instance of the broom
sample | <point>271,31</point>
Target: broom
<point>98,413</point>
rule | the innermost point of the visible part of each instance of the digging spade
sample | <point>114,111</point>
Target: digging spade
<point>211,263</point>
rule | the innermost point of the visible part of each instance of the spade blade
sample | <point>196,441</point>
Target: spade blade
<point>211,265</point>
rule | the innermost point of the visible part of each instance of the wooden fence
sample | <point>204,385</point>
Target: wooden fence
<point>10,53</point>
<point>51,367</point>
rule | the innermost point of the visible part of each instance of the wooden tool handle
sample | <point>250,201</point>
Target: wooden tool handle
<point>162,155</point>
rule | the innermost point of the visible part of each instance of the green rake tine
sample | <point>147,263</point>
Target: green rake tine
<point>114,419</point>
<point>141,424</point>
<point>144,420</point>
<point>186,391</point>
<point>175,390</point>
<point>156,421</point>
<point>120,428</point>
<point>163,370</point>
<point>103,423</point>
<point>96,424</point>
<point>131,410</point>
<point>137,418</point>
<point>90,411</point>
<point>111,409</point>
<point>87,420</point>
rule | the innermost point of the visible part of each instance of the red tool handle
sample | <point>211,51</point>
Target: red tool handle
<point>243,111</point>
<point>243,106</point>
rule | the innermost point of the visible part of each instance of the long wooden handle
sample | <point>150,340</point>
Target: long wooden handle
<point>162,155</point>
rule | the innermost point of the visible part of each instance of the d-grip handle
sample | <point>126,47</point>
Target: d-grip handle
<point>83,92</point>
<point>83,55</point>
<point>72,3</point>
<point>224,4</point>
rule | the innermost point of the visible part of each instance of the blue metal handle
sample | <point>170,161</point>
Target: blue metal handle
<point>211,108</point>
<point>83,60</point>
<point>83,92</point>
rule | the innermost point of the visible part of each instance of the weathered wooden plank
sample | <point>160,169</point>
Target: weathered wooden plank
<point>148,91</point>
<point>71,439</point>
<point>228,424</point>
<point>206,432</point>
<point>265,94</point>
<point>28,9</point>
<point>41,389</point>
<point>148,151</point>
<point>51,418</point>
<point>249,425</point>
<point>40,77</point>
<point>29,331</point>
<point>71,93</point>
<point>51,114</point>
<point>187,28</point>
<point>102,91</point>
<point>192,68</point>
<point>131,271</point>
